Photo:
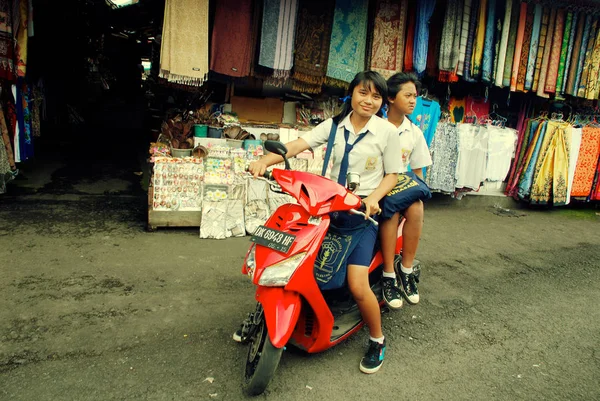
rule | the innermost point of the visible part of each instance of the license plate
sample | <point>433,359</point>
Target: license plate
<point>273,239</point>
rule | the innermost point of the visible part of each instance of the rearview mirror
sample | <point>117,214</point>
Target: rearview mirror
<point>279,149</point>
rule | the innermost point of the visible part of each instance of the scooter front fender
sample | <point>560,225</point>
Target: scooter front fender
<point>281,309</point>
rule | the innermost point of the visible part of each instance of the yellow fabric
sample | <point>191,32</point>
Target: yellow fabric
<point>184,47</point>
<point>477,57</point>
<point>552,169</point>
<point>22,39</point>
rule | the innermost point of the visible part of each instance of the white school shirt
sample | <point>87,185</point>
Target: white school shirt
<point>413,146</point>
<point>376,153</point>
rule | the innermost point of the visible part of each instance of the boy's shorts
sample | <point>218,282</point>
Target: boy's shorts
<point>363,252</point>
<point>409,189</point>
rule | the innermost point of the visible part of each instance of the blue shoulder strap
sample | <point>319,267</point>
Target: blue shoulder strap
<point>329,147</point>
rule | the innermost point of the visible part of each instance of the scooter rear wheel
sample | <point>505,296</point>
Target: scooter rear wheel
<point>261,363</point>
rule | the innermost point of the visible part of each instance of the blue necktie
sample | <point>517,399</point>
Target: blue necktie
<point>345,162</point>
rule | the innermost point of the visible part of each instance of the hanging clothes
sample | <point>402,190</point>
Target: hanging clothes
<point>22,38</point>
<point>472,156</point>
<point>563,53</point>
<point>500,6</point>
<point>541,47</point>
<point>457,109</point>
<point>436,24</point>
<point>499,74</point>
<point>518,46</point>
<point>467,76</point>
<point>388,38</point>
<point>313,35</point>
<point>7,50</point>
<point>557,41</point>
<point>576,135</point>
<point>592,88</point>
<point>409,46</point>
<point>348,42</point>
<point>488,46</point>
<point>450,41</point>
<point>530,158</point>
<point>525,49</point>
<point>426,116</point>
<point>512,38</point>
<point>464,36</point>
<point>586,162</point>
<point>424,11</point>
<point>501,145</point>
<point>533,48</point>
<point>574,59</point>
<point>441,175</point>
<point>587,32</point>
<point>546,58</point>
<point>231,50</point>
<point>479,44</point>
<point>570,49</point>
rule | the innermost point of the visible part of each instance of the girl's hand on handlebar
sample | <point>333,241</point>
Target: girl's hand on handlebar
<point>371,206</point>
<point>257,168</point>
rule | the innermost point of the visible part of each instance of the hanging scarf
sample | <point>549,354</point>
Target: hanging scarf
<point>464,35</point>
<point>348,42</point>
<point>570,50</point>
<point>184,45</point>
<point>436,24</point>
<point>7,53</point>
<point>388,39</point>
<point>557,41</point>
<point>563,53</point>
<point>450,43</point>
<point>588,59</point>
<point>500,7</point>
<point>586,162</point>
<point>503,44</point>
<point>518,46</point>
<point>525,49</point>
<point>546,58</point>
<point>541,47</point>
<point>512,39</point>
<point>488,44</point>
<point>6,140</point>
<point>277,36</point>
<point>22,38</point>
<point>409,45</point>
<point>231,40</point>
<point>581,21</point>
<point>592,89</point>
<point>477,58</point>
<point>552,168</point>
<point>315,21</point>
<point>424,11</point>
<point>470,41</point>
<point>533,50</point>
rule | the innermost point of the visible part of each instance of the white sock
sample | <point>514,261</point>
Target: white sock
<point>406,270</point>
<point>389,275</point>
<point>377,340</point>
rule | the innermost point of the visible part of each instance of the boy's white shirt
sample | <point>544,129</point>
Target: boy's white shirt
<point>376,153</point>
<point>413,146</point>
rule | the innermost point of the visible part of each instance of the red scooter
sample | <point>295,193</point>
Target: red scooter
<point>291,308</point>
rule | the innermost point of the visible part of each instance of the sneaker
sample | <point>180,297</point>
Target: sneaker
<point>408,287</point>
<point>237,336</point>
<point>373,359</point>
<point>391,293</point>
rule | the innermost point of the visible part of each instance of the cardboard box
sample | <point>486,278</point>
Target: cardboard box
<point>267,110</point>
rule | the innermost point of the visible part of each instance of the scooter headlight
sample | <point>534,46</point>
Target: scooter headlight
<point>251,261</point>
<point>278,275</point>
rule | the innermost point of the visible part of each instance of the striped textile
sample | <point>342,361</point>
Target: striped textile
<point>541,47</point>
<point>464,36</point>
<point>277,36</point>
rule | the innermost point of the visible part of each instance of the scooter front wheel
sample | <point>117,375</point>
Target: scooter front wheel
<point>262,361</point>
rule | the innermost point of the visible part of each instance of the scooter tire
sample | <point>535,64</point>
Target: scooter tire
<point>258,373</point>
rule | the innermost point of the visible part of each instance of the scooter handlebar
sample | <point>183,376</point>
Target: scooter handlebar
<point>268,175</point>
<point>354,211</point>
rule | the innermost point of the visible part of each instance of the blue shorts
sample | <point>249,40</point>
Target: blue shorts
<point>408,190</point>
<point>363,253</point>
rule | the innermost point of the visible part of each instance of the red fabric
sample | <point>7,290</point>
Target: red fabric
<point>587,162</point>
<point>231,46</point>
<point>410,36</point>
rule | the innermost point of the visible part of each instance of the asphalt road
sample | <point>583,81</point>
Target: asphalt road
<point>93,307</point>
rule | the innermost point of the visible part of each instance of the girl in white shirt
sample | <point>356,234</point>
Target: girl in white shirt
<point>402,92</point>
<point>375,157</point>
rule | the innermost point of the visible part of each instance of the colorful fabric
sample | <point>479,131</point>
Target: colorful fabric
<point>592,88</point>
<point>576,135</point>
<point>550,184</point>
<point>488,44</point>
<point>464,35</point>
<point>388,39</point>
<point>596,189</point>
<point>22,38</point>
<point>424,12</point>
<point>311,49</point>
<point>479,44</point>
<point>534,44</point>
<point>530,159</point>
<point>348,41</point>
<point>441,176</point>
<point>450,43</point>
<point>588,59</point>
<point>512,39</point>
<point>557,41</point>
<point>470,42</point>
<point>546,58</point>
<point>541,47</point>
<point>277,36</point>
<point>526,48</point>
<point>457,109</point>
<point>518,46</point>
<point>497,38</point>
<point>436,24</point>
<point>6,141</point>
<point>409,46</point>
<point>574,58</point>
<point>563,53</point>
<point>426,116</point>
<point>586,162</point>
<point>570,49</point>
<point>503,44</point>
<point>7,50</point>
<point>587,33</point>
<point>185,27</point>
<point>232,38</point>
